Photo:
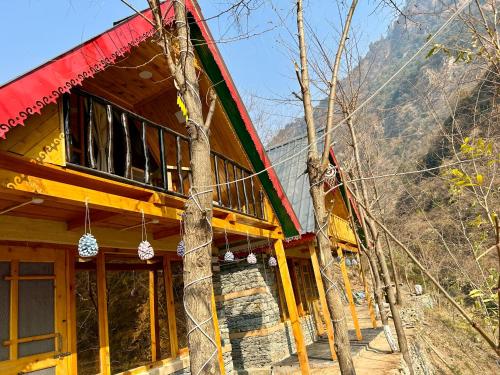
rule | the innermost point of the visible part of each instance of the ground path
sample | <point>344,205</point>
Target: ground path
<point>371,356</point>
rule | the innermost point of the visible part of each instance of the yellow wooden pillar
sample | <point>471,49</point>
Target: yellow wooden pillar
<point>348,291</point>
<point>217,335</point>
<point>292,307</point>
<point>322,299</point>
<point>102,310</point>
<point>369,300</point>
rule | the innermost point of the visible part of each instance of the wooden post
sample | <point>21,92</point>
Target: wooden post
<point>296,292</point>
<point>153,316</point>
<point>217,336</point>
<point>322,299</point>
<point>369,301</point>
<point>102,309</point>
<point>348,291</point>
<point>169,292</point>
<point>292,307</point>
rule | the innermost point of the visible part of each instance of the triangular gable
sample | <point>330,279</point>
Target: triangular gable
<point>29,93</point>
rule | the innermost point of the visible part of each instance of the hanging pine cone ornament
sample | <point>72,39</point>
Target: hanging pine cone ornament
<point>87,246</point>
<point>180,248</point>
<point>251,258</point>
<point>229,256</point>
<point>272,261</point>
<point>330,175</point>
<point>145,251</point>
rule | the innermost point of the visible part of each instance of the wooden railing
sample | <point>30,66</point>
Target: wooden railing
<point>341,229</point>
<point>106,139</point>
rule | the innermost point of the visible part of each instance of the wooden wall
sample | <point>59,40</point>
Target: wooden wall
<point>41,138</point>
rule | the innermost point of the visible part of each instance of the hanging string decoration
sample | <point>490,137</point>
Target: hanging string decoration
<point>145,249</point>
<point>272,260</point>
<point>330,175</point>
<point>228,256</point>
<point>181,248</point>
<point>87,245</point>
<point>251,258</point>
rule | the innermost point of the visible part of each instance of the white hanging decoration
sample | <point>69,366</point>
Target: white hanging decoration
<point>354,262</point>
<point>87,245</point>
<point>251,258</point>
<point>180,248</point>
<point>145,250</point>
<point>330,175</point>
<point>348,262</point>
<point>228,256</point>
<point>272,261</point>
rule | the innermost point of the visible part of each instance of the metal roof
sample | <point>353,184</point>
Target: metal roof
<point>293,176</point>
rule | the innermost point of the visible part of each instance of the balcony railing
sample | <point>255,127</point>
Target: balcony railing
<point>341,229</point>
<point>105,139</point>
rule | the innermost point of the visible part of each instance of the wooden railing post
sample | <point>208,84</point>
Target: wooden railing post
<point>348,291</point>
<point>292,307</point>
<point>322,299</point>
<point>169,292</point>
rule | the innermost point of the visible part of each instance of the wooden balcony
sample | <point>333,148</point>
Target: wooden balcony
<point>107,140</point>
<point>341,230</point>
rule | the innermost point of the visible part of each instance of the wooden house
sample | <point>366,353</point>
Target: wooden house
<point>302,251</point>
<point>92,142</point>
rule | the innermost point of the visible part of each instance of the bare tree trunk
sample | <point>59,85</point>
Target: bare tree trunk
<point>316,168</point>
<point>335,306</point>
<point>398,324</point>
<point>198,209</point>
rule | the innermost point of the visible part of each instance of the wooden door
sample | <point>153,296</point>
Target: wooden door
<point>33,315</point>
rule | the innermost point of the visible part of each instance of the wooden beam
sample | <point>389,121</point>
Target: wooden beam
<point>97,216</point>
<point>102,311</point>
<point>217,336</point>
<point>292,307</point>
<point>169,292</point>
<point>153,316</point>
<point>345,246</point>
<point>156,207</point>
<point>368,295</point>
<point>348,291</point>
<point>322,299</point>
<point>166,232</point>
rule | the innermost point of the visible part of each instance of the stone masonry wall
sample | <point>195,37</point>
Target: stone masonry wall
<point>257,351</point>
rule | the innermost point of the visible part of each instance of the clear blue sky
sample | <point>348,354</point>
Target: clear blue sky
<point>33,31</point>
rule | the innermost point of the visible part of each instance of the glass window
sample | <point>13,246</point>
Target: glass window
<point>87,328</point>
<point>178,281</point>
